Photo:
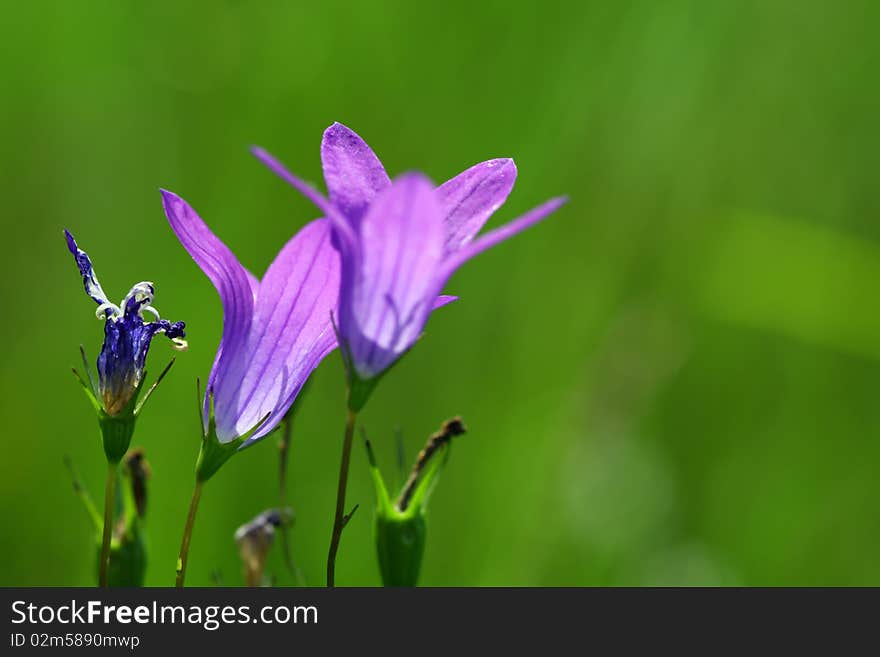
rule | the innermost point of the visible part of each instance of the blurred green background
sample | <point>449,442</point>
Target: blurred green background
<point>672,381</point>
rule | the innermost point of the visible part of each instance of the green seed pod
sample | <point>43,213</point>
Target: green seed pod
<point>400,545</point>
<point>401,526</point>
<point>116,431</point>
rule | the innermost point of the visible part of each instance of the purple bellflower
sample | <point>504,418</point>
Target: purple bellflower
<point>400,241</point>
<point>275,331</point>
<point>127,336</point>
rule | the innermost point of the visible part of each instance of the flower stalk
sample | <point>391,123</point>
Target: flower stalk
<point>106,533</point>
<point>212,455</point>
<point>340,518</point>
<point>187,533</point>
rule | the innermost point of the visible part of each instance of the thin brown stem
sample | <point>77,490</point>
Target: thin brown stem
<point>187,534</point>
<point>283,451</point>
<point>451,428</point>
<point>283,454</point>
<point>339,519</point>
<point>107,530</point>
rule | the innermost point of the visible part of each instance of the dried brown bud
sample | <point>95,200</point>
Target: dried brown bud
<point>254,540</point>
<point>451,428</point>
<point>139,471</point>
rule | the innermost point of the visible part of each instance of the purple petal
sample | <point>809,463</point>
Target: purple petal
<point>90,279</point>
<point>490,239</point>
<point>291,333</point>
<point>387,291</point>
<point>340,223</point>
<point>223,269</point>
<point>471,197</point>
<point>443,300</point>
<point>353,173</point>
<point>254,283</point>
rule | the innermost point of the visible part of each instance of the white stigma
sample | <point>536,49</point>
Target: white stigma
<point>115,312</point>
<point>152,311</point>
<point>142,293</point>
<point>179,344</point>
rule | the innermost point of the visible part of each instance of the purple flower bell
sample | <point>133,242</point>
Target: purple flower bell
<point>399,241</point>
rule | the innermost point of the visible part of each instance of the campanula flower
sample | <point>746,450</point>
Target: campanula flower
<point>275,331</point>
<point>127,336</point>
<point>399,241</point>
<point>117,397</point>
<point>127,339</point>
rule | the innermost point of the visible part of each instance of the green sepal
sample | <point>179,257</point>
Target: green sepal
<point>428,480</point>
<point>359,391</point>
<point>117,430</point>
<point>140,405</point>
<point>382,498</point>
<point>213,454</point>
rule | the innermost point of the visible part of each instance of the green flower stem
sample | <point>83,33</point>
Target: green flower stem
<point>107,530</point>
<point>187,533</point>
<point>212,455</point>
<point>339,519</point>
